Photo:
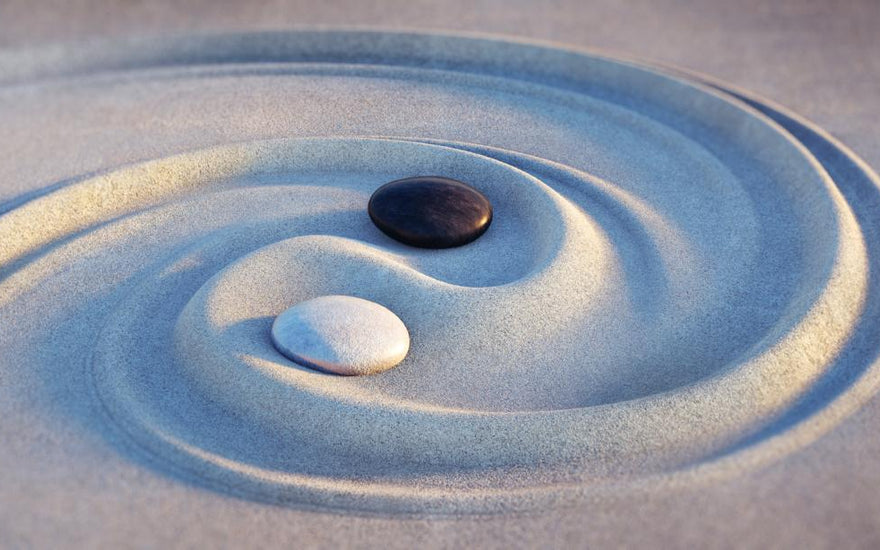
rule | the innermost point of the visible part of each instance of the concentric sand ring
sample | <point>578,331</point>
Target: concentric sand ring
<point>677,281</point>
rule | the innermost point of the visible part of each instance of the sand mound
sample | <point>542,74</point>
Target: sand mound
<point>671,277</point>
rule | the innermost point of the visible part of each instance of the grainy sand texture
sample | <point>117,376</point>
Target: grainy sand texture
<point>679,285</point>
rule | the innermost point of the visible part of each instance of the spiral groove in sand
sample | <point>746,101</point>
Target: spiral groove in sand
<point>668,276</point>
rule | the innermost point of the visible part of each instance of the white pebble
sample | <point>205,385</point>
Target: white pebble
<point>342,335</point>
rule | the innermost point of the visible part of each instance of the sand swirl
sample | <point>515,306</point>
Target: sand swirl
<point>673,281</point>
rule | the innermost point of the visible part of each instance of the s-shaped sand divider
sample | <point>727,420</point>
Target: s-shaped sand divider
<point>599,334</point>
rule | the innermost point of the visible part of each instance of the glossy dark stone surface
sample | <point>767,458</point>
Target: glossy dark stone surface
<point>430,211</point>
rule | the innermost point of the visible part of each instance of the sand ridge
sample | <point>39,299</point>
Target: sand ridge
<point>664,283</point>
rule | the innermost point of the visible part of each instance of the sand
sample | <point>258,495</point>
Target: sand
<point>678,285</point>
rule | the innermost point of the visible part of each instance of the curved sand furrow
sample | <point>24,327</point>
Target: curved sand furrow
<point>668,273</point>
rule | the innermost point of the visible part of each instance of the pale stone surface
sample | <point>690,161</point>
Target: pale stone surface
<point>341,334</point>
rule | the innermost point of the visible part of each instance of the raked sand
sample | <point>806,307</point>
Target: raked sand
<point>674,287</point>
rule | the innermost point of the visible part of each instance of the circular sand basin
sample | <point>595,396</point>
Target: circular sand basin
<point>673,284</point>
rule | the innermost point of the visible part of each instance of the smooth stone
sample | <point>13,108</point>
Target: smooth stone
<point>430,212</point>
<point>342,335</point>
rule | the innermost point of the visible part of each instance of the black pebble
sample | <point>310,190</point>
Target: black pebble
<point>430,212</point>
